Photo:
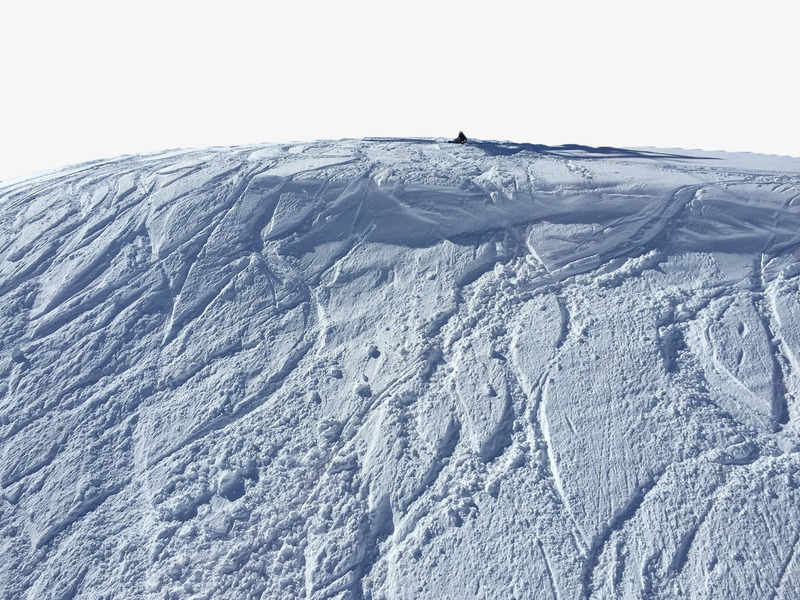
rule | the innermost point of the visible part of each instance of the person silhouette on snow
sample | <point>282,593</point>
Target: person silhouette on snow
<point>461,139</point>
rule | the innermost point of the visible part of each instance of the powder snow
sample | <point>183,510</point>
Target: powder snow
<point>395,369</point>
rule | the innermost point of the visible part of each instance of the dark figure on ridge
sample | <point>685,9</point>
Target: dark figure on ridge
<point>461,139</point>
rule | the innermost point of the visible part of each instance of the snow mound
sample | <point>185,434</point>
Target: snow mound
<point>401,369</point>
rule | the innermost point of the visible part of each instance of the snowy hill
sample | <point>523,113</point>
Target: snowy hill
<point>402,369</point>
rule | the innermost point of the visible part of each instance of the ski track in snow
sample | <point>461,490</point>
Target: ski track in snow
<point>401,369</point>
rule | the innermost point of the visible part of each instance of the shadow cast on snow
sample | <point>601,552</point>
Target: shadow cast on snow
<point>576,151</point>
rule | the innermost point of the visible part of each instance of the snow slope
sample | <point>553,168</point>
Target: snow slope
<point>402,369</point>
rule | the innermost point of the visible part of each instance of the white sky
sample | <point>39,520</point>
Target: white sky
<point>81,80</point>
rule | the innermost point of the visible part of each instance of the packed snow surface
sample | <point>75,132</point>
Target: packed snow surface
<point>402,369</point>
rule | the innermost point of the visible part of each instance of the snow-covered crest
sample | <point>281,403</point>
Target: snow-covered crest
<point>401,369</point>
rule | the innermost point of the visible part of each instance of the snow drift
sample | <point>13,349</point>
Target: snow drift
<point>401,369</point>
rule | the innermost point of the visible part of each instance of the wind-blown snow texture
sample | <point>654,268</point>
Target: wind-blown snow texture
<point>402,369</point>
